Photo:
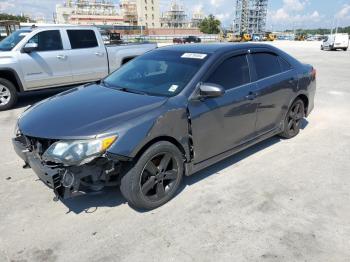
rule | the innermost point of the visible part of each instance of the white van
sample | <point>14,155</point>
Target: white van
<point>336,41</point>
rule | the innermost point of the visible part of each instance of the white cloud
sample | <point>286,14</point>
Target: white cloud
<point>344,13</point>
<point>292,12</point>
<point>216,3</point>
<point>197,8</point>
<point>223,16</point>
<point>6,5</point>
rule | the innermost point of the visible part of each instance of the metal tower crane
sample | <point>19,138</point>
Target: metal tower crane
<point>250,16</point>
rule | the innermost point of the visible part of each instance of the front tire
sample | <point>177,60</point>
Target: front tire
<point>8,94</point>
<point>155,177</point>
<point>293,119</point>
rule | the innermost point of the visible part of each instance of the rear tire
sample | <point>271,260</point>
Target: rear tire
<point>345,49</point>
<point>293,119</point>
<point>154,178</point>
<point>8,94</point>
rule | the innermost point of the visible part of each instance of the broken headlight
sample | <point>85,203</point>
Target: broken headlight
<point>77,152</point>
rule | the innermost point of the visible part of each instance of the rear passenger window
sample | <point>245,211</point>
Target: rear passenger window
<point>231,73</point>
<point>82,38</point>
<point>266,65</point>
<point>285,66</point>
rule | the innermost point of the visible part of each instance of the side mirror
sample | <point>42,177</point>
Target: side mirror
<point>30,47</point>
<point>208,90</point>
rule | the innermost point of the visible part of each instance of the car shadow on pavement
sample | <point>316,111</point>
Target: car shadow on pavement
<point>89,203</point>
<point>111,196</point>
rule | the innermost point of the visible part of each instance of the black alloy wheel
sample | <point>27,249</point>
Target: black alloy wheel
<point>159,177</point>
<point>154,178</point>
<point>293,119</point>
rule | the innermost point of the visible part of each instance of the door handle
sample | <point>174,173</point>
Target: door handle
<point>99,54</point>
<point>61,57</point>
<point>251,96</point>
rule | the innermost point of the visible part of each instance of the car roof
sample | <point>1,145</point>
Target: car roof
<point>212,47</point>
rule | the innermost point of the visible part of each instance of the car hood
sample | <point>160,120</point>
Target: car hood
<point>6,54</point>
<point>84,112</point>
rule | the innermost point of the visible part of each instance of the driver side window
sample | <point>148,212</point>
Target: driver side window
<point>48,40</point>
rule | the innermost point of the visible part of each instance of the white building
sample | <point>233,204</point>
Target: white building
<point>148,13</point>
<point>85,12</point>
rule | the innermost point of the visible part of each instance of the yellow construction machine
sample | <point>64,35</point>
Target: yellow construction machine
<point>231,37</point>
<point>270,36</point>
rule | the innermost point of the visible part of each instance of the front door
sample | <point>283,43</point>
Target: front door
<point>49,64</point>
<point>222,123</point>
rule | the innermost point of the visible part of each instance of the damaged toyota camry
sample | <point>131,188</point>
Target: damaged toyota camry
<point>168,113</point>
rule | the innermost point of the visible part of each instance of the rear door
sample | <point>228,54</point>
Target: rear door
<point>276,81</point>
<point>87,56</point>
<point>48,65</point>
<point>222,123</point>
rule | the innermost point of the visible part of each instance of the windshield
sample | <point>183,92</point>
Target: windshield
<point>160,73</point>
<point>8,43</point>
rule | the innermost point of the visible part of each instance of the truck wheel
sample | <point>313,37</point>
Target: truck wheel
<point>8,94</point>
<point>345,49</point>
<point>155,177</point>
<point>293,118</point>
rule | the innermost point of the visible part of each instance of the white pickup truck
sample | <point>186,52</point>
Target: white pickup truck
<point>45,57</point>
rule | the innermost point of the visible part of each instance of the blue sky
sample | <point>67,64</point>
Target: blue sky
<point>282,13</point>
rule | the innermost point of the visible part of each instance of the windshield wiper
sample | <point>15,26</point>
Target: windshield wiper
<point>123,89</point>
<point>128,90</point>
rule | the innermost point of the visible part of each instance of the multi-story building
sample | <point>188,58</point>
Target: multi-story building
<point>196,19</point>
<point>84,12</point>
<point>175,17</point>
<point>250,16</point>
<point>148,13</point>
<point>129,11</point>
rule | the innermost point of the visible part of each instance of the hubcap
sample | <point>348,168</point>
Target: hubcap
<point>296,114</point>
<point>5,95</point>
<point>159,176</point>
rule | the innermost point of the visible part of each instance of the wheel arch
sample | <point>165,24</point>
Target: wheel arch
<point>305,100</point>
<point>11,75</point>
<point>169,139</point>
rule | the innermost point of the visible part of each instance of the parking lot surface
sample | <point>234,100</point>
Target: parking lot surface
<point>281,200</point>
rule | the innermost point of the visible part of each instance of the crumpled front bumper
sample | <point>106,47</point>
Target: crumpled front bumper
<point>52,177</point>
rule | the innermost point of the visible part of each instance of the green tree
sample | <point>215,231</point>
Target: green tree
<point>210,25</point>
<point>19,18</point>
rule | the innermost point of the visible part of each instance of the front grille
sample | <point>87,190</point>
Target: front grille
<point>34,144</point>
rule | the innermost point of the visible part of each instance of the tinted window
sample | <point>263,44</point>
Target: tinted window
<point>285,66</point>
<point>266,65</point>
<point>161,73</point>
<point>231,73</point>
<point>47,40</point>
<point>82,38</point>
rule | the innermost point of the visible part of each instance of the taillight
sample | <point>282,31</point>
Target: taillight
<point>313,74</point>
